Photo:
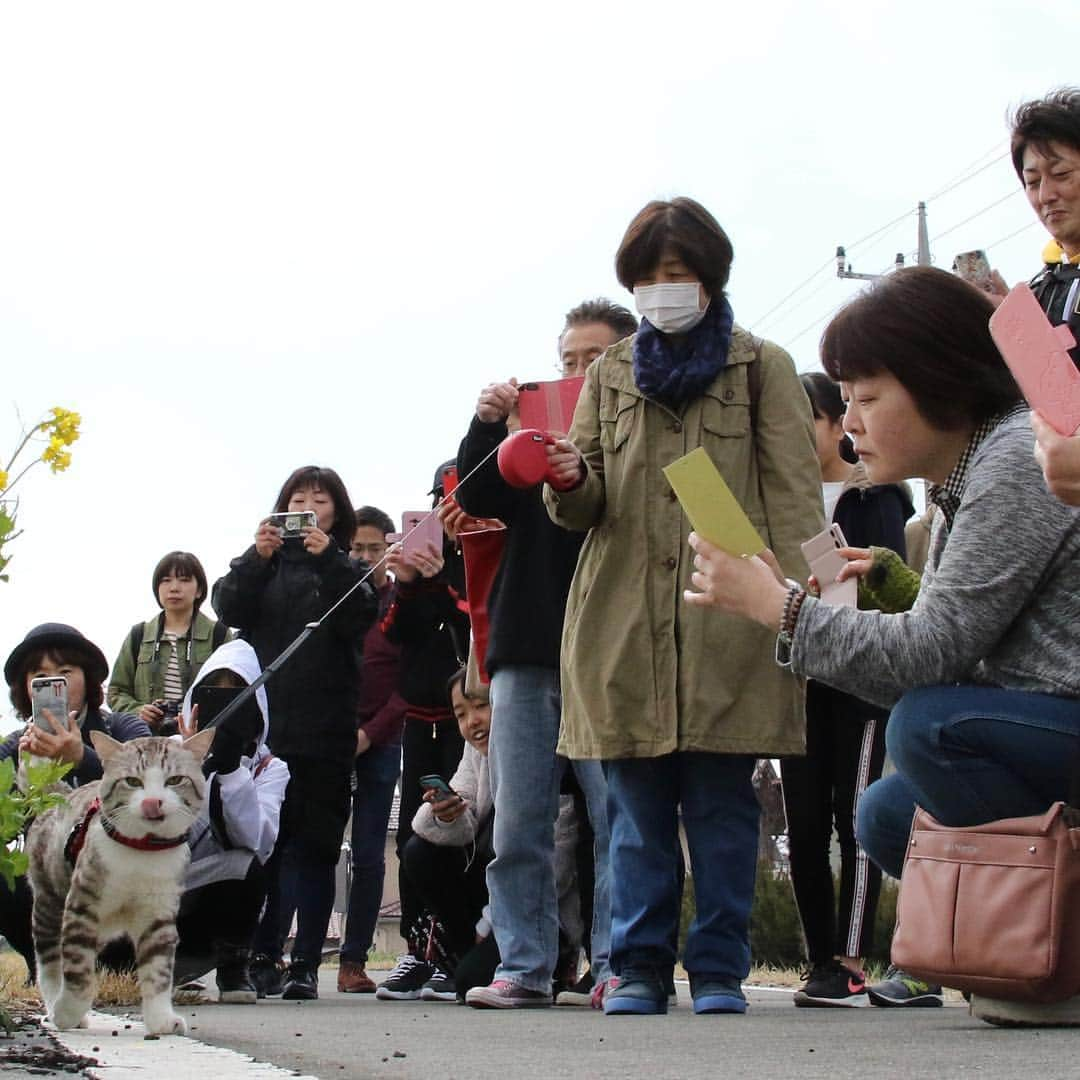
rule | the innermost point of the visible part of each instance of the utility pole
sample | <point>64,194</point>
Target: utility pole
<point>843,267</point>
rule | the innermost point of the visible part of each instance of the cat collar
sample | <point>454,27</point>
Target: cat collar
<point>77,837</point>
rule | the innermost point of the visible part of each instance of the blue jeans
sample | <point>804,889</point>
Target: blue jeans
<point>526,708</point>
<point>968,755</point>
<point>376,776</point>
<point>720,814</point>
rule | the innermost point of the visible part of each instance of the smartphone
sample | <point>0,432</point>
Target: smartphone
<point>49,701</point>
<point>973,267</point>
<point>449,479</point>
<point>549,406</point>
<point>293,522</point>
<point>826,562</point>
<point>421,529</point>
<point>440,785</point>
<point>211,700</point>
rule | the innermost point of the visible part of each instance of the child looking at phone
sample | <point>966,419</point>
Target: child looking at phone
<point>270,594</point>
<point>446,858</point>
<point>845,741</point>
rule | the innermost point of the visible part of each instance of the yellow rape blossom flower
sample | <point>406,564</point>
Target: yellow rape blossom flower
<point>3,480</point>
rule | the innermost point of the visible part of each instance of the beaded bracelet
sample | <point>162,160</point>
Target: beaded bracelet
<point>793,603</point>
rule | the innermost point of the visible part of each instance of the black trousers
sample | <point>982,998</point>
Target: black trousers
<point>845,753</point>
<point>301,870</point>
<point>452,885</point>
<point>425,748</point>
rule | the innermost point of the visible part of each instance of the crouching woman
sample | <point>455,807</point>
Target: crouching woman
<point>981,674</point>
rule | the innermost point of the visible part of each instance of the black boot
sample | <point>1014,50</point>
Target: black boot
<point>301,982</point>
<point>233,975</point>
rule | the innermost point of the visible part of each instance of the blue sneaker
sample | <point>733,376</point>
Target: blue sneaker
<point>638,993</point>
<point>717,996</point>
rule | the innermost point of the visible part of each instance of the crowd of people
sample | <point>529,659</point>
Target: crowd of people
<point>572,674</point>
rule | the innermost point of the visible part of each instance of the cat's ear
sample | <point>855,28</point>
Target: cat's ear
<point>105,745</point>
<point>199,744</point>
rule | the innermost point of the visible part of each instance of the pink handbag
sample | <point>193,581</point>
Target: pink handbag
<point>993,909</point>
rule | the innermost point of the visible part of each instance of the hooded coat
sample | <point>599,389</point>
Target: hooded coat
<point>242,809</point>
<point>643,673</point>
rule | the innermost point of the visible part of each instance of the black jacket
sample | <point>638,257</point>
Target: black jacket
<point>873,515</point>
<point>528,596</point>
<point>1058,283</point>
<point>429,620</point>
<point>123,727</point>
<point>313,698</point>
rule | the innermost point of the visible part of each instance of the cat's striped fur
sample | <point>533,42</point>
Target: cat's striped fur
<point>150,787</point>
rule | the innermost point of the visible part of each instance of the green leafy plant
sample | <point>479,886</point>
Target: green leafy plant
<point>18,808</point>
<point>58,430</point>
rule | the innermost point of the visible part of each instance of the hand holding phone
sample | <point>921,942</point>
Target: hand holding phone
<point>446,804</point>
<point>49,702</point>
<point>421,531</point>
<point>823,555</point>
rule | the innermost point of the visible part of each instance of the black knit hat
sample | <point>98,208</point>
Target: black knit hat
<point>54,635</point>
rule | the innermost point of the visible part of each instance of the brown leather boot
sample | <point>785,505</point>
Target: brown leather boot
<point>353,979</point>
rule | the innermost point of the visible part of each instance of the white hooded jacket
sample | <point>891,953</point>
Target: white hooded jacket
<point>250,795</point>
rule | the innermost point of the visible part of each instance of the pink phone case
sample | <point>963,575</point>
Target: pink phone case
<point>419,530</point>
<point>549,406</point>
<point>825,563</point>
<point>1036,354</point>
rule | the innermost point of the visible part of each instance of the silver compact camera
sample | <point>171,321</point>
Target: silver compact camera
<point>293,522</point>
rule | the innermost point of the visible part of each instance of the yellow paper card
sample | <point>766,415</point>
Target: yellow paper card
<point>713,511</point>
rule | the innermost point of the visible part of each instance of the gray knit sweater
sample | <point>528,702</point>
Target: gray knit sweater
<point>999,602</point>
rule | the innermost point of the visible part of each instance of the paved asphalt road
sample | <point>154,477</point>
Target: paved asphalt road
<point>356,1036</point>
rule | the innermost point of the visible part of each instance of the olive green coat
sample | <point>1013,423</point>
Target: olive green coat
<point>643,672</point>
<point>136,682</point>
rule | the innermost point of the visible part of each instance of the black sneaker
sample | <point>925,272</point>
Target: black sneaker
<point>266,974</point>
<point>832,985</point>
<point>233,977</point>
<point>900,988</point>
<point>406,981</point>
<point>301,982</point>
<point>440,987</point>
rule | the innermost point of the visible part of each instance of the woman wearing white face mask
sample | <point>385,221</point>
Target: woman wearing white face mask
<point>678,708</point>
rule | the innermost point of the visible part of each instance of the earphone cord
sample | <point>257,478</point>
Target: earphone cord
<point>282,658</point>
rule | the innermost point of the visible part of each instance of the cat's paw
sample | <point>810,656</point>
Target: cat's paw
<point>165,1023</point>
<point>69,1013</point>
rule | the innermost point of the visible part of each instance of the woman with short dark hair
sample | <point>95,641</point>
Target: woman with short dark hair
<point>161,658</point>
<point>981,674</point>
<point>678,707</point>
<point>283,582</point>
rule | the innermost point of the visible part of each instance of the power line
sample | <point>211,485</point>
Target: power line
<point>978,213</point>
<point>1015,232</point>
<point>810,326</point>
<point>831,262</point>
<point>962,179</point>
<point>802,285</point>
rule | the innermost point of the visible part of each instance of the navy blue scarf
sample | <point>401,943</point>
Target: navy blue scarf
<point>674,370</point>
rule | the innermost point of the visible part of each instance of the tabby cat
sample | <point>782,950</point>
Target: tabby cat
<point>110,863</point>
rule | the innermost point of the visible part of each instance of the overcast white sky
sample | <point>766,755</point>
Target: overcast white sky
<point>243,237</point>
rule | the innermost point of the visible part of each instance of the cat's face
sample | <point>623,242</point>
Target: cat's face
<point>151,786</point>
